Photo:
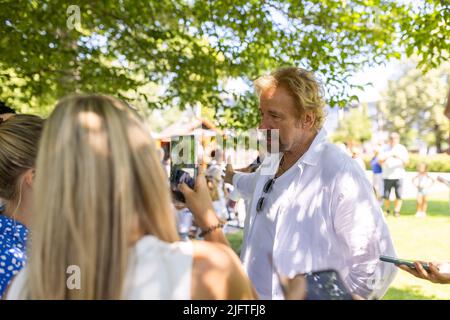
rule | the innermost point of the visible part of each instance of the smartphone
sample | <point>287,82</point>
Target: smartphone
<point>322,285</point>
<point>183,164</point>
<point>326,285</point>
<point>408,263</point>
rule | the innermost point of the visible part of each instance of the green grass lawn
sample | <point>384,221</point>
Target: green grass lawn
<point>420,238</point>
<point>414,238</point>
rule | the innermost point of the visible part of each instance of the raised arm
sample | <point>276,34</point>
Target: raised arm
<point>200,203</point>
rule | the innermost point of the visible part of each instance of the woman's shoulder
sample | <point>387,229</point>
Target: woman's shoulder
<point>209,254</point>
<point>217,273</point>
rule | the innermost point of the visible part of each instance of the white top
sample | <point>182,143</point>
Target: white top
<point>424,181</point>
<point>157,270</point>
<point>321,214</point>
<point>393,167</point>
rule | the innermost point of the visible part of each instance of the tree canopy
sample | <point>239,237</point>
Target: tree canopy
<point>182,52</point>
<point>355,128</point>
<point>413,105</point>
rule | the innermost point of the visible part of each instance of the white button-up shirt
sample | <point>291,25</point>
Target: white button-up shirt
<point>320,214</point>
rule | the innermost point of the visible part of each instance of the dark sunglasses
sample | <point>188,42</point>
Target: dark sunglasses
<point>267,187</point>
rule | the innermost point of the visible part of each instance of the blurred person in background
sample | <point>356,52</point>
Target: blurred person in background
<point>393,161</point>
<point>215,183</point>
<point>377,177</point>
<point>423,182</point>
<point>356,155</point>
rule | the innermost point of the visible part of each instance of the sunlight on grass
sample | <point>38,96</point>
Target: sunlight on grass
<point>420,238</point>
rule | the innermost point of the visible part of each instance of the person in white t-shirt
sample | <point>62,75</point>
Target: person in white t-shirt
<point>393,161</point>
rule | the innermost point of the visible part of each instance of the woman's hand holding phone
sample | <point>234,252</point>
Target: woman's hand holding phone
<point>199,201</point>
<point>438,272</point>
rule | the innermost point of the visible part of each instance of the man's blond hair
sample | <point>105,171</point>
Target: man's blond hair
<point>302,85</point>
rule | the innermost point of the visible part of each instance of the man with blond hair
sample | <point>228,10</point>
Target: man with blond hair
<point>312,208</point>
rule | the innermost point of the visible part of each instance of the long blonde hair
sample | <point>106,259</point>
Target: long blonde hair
<point>98,176</point>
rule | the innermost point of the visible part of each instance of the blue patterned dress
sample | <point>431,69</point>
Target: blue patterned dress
<point>13,238</point>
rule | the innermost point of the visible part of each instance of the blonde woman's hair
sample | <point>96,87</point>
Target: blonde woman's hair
<point>19,139</point>
<point>98,178</point>
<point>302,85</point>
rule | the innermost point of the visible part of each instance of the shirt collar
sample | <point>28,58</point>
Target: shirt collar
<point>312,155</point>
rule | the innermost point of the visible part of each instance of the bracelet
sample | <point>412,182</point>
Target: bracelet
<point>211,229</point>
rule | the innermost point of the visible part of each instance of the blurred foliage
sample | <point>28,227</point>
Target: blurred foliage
<point>436,163</point>
<point>355,127</point>
<point>426,32</point>
<point>160,54</point>
<point>413,105</point>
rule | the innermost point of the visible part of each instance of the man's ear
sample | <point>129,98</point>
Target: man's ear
<point>308,120</point>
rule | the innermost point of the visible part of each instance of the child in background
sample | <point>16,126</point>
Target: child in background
<point>423,181</point>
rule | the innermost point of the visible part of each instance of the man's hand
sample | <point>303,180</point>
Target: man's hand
<point>295,288</point>
<point>229,172</point>
<point>434,275</point>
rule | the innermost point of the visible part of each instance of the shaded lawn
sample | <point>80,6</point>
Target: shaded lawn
<point>414,238</point>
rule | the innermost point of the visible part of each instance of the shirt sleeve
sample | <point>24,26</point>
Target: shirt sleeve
<point>245,183</point>
<point>359,222</point>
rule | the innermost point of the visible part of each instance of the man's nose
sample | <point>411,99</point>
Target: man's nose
<point>263,124</point>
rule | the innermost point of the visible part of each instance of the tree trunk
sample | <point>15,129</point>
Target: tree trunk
<point>438,137</point>
<point>68,82</point>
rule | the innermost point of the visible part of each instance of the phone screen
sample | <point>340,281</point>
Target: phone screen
<point>326,285</point>
<point>183,163</point>
<point>320,285</point>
